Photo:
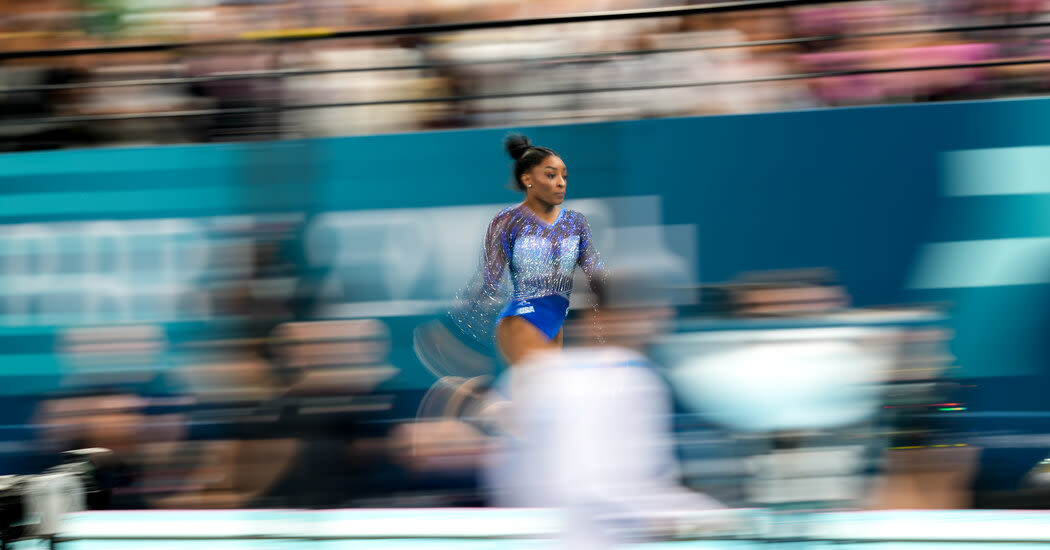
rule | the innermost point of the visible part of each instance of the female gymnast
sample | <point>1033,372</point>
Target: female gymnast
<point>517,303</point>
<point>538,244</point>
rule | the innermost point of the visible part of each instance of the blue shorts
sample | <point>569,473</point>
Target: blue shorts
<point>546,313</point>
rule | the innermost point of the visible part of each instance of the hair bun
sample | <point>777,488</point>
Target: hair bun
<point>516,145</point>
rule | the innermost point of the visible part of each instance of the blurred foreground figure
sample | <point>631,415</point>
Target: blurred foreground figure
<point>588,430</point>
<point>840,407</point>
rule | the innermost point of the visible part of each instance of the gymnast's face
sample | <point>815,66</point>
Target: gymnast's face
<point>548,180</point>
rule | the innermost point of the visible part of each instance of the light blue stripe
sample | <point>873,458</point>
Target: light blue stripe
<point>137,246</point>
<point>60,321</point>
<point>217,544</point>
<point>998,171</point>
<point>121,202</point>
<point>983,263</point>
<point>131,283</point>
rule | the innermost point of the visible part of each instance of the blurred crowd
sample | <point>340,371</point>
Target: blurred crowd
<point>480,77</point>
<point>274,409</point>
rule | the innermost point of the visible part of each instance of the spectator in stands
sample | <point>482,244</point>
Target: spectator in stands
<point>565,57</point>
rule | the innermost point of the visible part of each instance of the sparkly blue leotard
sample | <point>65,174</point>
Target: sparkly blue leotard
<point>540,259</point>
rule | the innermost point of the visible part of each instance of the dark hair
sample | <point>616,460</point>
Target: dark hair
<point>526,156</point>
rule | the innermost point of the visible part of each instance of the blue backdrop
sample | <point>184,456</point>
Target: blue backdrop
<point>875,193</point>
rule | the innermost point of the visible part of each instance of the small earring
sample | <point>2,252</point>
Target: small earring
<point>529,186</point>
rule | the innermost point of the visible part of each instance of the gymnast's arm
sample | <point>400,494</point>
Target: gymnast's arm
<point>591,262</point>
